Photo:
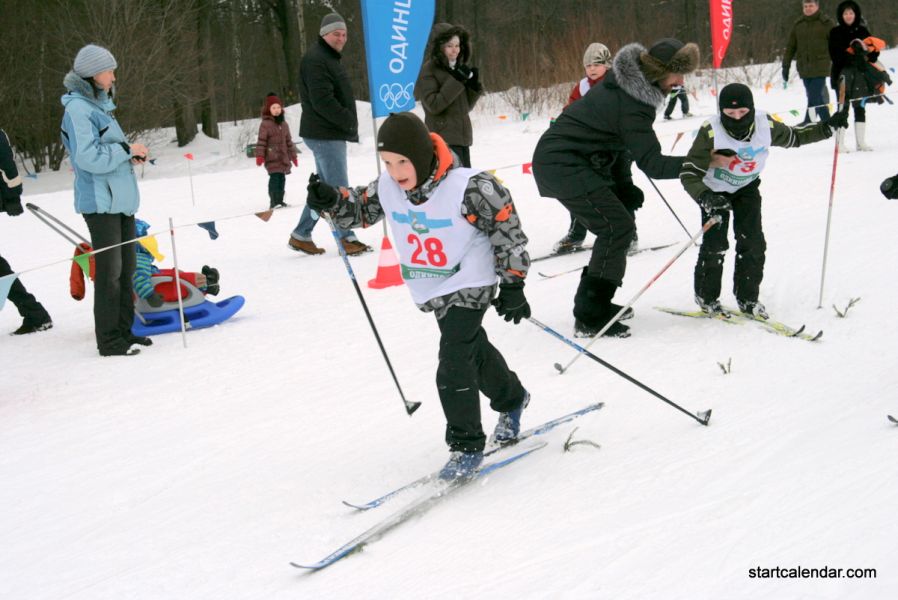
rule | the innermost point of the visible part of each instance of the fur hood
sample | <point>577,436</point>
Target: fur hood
<point>442,33</point>
<point>75,84</point>
<point>628,74</point>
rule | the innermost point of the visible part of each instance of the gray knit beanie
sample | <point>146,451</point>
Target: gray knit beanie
<point>93,59</point>
<point>331,22</point>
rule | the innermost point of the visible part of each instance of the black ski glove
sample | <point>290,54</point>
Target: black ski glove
<point>713,203</point>
<point>473,81</point>
<point>321,197</point>
<point>156,300</point>
<point>461,72</point>
<point>511,302</point>
<point>889,188</point>
<point>838,120</point>
<point>13,207</point>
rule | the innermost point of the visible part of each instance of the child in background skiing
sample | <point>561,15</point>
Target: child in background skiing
<point>741,139</point>
<point>275,149</point>
<point>456,231</point>
<point>596,62</point>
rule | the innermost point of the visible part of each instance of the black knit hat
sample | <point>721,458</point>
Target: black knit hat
<point>405,134</point>
<point>736,95</point>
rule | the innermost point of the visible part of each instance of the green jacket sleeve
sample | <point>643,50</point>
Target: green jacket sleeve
<point>784,136</point>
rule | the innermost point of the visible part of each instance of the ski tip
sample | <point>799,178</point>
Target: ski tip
<point>893,419</point>
<point>305,567</point>
<point>704,417</point>
<point>411,407</point>
<point>818,336</point>
<point>559,368</point>
<point>356,506</point>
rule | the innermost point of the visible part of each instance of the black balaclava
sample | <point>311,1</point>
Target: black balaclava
<point>405,134</point>
<point>737,95</point>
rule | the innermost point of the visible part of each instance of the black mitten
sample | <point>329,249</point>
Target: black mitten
<point>321,197</point>
<point>12,206</point>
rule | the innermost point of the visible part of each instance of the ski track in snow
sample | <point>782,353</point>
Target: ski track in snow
<point>201,473</point>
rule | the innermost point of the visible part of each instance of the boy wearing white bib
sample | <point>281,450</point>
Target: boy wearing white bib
<point>457,234</point>
<point>730,180</point>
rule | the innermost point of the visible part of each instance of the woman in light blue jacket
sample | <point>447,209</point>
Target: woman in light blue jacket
<point>105,192</point>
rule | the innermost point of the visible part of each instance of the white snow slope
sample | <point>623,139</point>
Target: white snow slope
<point>199,473</point>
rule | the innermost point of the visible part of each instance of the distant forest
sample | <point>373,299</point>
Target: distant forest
<point>191,64</point>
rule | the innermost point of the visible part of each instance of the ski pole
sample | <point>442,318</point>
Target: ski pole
<point>669,207</point>
<point>702,417</point>
<point>714,220</point>
<point>832,193</point>
<point>46,217</point>
<point>410,407</point>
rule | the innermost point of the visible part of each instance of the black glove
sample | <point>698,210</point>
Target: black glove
<point>889,188</point>
<point>461,72</point>
<point>473,81</point>
<point>838,120</point>
<point>712,202</point>
<point>511,302</point>
<point>321,197</point>
<point>13,207</point>
<point>156,300</point>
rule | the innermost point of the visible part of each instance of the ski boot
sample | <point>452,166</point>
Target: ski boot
<point>754,309</point>
<point>461,465</point>
<point>509,425</point>
<point>567,244</point>
<point>711,307</point>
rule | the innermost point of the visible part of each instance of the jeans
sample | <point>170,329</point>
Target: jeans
<point>113,298</point>
<point>818,95</point>
<point>330,164</point>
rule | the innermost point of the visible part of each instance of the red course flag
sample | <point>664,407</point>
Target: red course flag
<point>721,28</point>
<point>189,156</point>
<point>528,168</point>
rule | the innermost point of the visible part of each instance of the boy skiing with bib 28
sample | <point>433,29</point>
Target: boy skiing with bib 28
<point>456,232</point>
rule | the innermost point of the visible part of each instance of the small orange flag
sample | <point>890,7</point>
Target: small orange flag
<point>189,156</point>
<point>528,168</point>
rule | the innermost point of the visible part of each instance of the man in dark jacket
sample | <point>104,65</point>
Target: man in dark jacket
<point>584,159</point>
<point>34,314</point>
<point>809,46</point>
<point>328,121</point>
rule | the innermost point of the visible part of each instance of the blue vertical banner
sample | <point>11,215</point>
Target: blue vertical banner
<point>396,35</point>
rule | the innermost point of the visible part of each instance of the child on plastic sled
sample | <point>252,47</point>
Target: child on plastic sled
<point>740,139</point>
<point>155,287</point>
<point>456,232</point>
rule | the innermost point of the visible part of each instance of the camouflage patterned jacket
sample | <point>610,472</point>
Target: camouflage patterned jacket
<point>485,205</point>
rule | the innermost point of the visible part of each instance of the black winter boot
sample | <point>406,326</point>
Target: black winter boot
<point>210,273</point>
<point>593,308</point>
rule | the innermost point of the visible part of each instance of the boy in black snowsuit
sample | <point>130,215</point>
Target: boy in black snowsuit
<point>456,233</point>
<point>741,139</point>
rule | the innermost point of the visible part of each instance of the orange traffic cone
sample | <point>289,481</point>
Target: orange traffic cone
<point>388,273</point>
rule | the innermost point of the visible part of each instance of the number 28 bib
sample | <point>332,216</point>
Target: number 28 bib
<point>439,251</point>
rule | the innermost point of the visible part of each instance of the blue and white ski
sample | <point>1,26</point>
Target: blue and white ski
<point>414,508</point>
<point>538,430</point>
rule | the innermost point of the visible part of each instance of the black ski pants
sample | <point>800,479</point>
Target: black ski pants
<point>611,220</point>
<point>469,364</point>
<point>31,310</point>
<point>750,248</point>
<point>113,298</point>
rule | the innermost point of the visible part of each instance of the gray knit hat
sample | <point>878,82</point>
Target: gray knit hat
<point>596,54</point>
<point>93,59</point>
<point>331,22</point>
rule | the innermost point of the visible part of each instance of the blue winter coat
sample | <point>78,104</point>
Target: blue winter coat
<point>101,159</point>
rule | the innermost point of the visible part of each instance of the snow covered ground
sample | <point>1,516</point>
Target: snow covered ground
<point>200,473</point>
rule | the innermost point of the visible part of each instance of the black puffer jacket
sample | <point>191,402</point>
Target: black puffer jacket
<point>328,106</point>
<point>840,40</point>
<point>446,100</point>
<point>594,140</point>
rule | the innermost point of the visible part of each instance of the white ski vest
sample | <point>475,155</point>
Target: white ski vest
<point>439,251</point>
<point>750,157</point>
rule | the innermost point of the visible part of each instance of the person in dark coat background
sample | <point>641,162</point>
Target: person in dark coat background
<point>328,121</point>
<point>448,87</point>
<point>34,314</point>
<point>808,45</point>
<point>584,159</point>
<point>275,149</point>
<point>851,27</point>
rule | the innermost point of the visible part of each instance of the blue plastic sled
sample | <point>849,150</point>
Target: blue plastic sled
<point>202,315</point>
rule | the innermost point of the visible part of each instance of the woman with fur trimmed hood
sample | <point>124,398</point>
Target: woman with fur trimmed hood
<point>448,88</point>
<point>583,160</point>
